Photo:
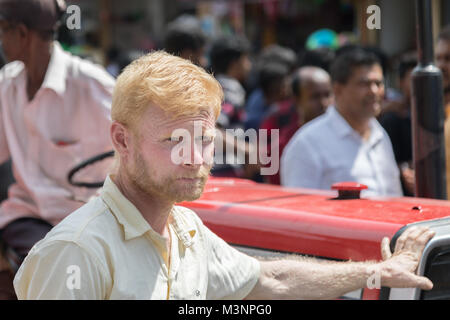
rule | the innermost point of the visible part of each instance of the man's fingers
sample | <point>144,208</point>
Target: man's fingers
<point>385,249</point>
<point>424,283</point>
<point>417,239</point>
<point>402,239</point>
<point>408,249</point>
<point>423,239</point>
<point>409,280</point>
<point>413,239</point>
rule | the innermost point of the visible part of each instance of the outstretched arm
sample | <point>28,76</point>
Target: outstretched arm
<point>306,278</point>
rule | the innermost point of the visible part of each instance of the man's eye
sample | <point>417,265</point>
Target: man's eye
<point>205,139</point>
<point>175,139</point>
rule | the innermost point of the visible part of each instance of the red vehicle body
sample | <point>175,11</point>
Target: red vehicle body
<point>267,218</point>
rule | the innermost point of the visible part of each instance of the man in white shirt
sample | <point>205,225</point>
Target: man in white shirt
<point>54,113</point>
<point>133,242</point>
<point>346,143</point>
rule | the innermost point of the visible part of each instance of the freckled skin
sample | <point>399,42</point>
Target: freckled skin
<point>151,165</point>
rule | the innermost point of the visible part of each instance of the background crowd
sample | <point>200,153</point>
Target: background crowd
<point>271,81</point>
<point>275,75</point>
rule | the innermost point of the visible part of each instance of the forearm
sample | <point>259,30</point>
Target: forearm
<point>303,278</point>
<point>310,279</point>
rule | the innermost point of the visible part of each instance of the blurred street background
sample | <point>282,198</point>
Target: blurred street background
<point>126,28</point>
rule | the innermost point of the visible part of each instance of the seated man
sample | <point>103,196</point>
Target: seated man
<point>346,143</point>
<point>133,242</point>
<point>54,113</point>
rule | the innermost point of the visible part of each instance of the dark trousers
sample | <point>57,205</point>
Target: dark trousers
<point>16,239</point>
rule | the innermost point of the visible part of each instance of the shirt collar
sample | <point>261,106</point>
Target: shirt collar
<point>342,127</point>
<point>184,229</point>
<point>376,132</point>
<point>132,221</point>
<point>55,77</point>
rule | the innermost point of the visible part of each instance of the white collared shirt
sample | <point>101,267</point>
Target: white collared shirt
<point>328,150</point>
<point>67,122</point>
<point>117,255</point>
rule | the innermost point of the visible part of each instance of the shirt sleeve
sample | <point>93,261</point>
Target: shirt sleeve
<point>100,98</point>
<point>231,273</point>
<point>300,165</point>
<point>99,102</point>
<point>61,270</point>
<point>97,91</point>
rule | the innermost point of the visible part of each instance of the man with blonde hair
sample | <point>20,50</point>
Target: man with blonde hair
<point>133,242</point>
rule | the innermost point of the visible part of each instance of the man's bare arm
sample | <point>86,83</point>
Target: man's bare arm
<point>312,279</point>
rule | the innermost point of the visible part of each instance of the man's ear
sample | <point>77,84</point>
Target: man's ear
<point>120,137</point>
<point>24,38</point>
<point>23,31</point>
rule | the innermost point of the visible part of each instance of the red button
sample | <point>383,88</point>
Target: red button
<point>348,186</point>
<point>348,189</point>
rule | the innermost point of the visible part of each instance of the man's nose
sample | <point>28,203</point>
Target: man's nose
<point>195,157</point>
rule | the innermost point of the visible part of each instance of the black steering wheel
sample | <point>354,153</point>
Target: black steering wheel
<point>88,162</point>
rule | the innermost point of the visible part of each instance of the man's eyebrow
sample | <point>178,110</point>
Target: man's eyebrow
<point>210,132</point>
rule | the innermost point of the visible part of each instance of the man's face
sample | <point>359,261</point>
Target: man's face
<point>443,63</point>
<point>152,168</point>
<point>315,97</point>
<point>362,95</point>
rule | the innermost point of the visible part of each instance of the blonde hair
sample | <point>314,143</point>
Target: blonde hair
<point>171,83</point>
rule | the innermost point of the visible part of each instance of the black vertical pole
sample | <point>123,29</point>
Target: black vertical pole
<point>427,112</point>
